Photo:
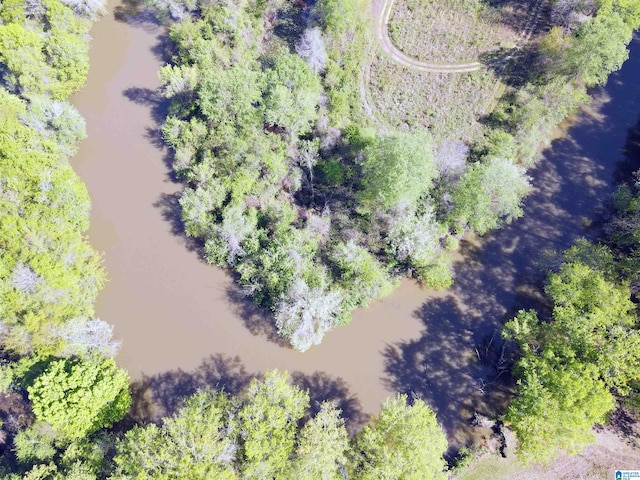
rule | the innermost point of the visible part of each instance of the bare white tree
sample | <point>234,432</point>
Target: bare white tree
<point>24,279</point>
<point>411,236</point>
<point>305,314</point>
<point>33,8</point>
<point>82,337</point>
<point>311,49</point>
<point>234,229</point>
<point>91,9</point>
<point>451,156</point>
<point>320,224</point>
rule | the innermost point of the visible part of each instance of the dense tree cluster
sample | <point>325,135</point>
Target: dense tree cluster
<point>317,213</point>
<point>588,41</point>
<point>259,435</point>
<point>576,364</point>
<point>55,355</point>
<point>285,181</point>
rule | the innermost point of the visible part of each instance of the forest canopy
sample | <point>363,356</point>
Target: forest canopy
<point>286,180</point>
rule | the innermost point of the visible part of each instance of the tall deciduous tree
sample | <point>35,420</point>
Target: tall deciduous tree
<point>404,442</point>
<point>489,193</point>
<point>322,446</point>
<point>78,397</point>
<point>397,169</point>
<point>199,443</point>
<point>268,426</point>
<point>571,364</point>
<point>598,48</point>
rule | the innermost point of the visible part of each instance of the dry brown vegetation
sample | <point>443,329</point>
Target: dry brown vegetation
<point>449,105</point>
<point>613,450</point>
<point>455,30</point>
<point>446,104</point>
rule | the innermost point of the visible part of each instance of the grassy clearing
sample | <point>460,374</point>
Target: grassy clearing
<point>455,30</point>
<point>449,105</point>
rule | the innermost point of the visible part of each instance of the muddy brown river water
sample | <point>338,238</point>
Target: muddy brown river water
<point>183,326</point>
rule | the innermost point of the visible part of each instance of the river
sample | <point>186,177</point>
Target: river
<point>184,325</point>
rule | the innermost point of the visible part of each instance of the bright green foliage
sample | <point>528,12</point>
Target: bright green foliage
<point>404,442</point>
<point>199,443</point>
<point>268,425</point>
<point>347,37</point>
<point>597,320</point>
<point>598,48</point>
<point>21,52</point>
<point>35,443</point>
<point>260,435</point>
<point>53,60</point>
<point>629,11</point>
<point>362,277</point>
<point>291,94</point>
<point>397,169</point>
<point>77,397</point>
<point>571,364</point>
<point>556,407</point>
<point>489,193</point>
<point>322,444</point>
<point>48,274</point>
<point>271,183</point>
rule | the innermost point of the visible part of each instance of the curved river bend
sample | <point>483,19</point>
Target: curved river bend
<point>182,324</point>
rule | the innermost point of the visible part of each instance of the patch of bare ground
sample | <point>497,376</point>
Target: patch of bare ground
<point>616,448</point>
<point>456,30</point>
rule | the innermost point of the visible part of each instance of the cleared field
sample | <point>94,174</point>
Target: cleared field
<point>612,451</point>
<point>456,30</point>
<point>447,104</point>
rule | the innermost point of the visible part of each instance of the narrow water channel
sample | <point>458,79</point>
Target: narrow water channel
<point>182,323</point>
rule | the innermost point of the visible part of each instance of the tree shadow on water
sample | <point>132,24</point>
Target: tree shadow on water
<point>162,395</point>
<point>158,396</point>
<point>171,211</point>
<point>452,368</point>
<point>135,13</point>
<point>458,365</point>
<point>259,321</point>
<point>157,104</point>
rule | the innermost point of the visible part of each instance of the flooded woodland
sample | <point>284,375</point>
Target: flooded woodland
<point>184,325</point>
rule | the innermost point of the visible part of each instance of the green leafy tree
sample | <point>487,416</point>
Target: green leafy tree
<point>570,365</point>
<point>490,192</point>
<point>268,426</point>
<point>397,169</point>
<point>598,48</point>
<point>415,239</point>
<point>77,397</point>
<point>322,446</point>
<point>199,443</point>
<point>292,94</point>
<point>557,406</point>
<point>404,442</point>
<point>362,277</point>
